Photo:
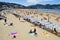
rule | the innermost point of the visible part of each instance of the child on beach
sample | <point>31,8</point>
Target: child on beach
<point>5,20</point>
<point>14,36</point>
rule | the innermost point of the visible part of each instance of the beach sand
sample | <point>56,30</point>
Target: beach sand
<point>23,27</point>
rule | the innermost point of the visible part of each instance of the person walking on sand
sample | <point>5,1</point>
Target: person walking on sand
<point>35,31</point>
<point>5,20</point>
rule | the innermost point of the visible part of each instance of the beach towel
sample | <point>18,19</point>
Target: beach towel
<point>31,34</point>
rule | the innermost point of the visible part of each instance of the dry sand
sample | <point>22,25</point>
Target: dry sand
<point>23,27</point>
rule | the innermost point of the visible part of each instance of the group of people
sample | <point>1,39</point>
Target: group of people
<point>5,20</point>
<point>35,33</point>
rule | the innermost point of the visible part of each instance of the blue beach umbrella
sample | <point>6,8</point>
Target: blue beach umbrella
<point>52,25</point>
<point>47,23</point>
<point>33,19</point>
<point>42,22</point>
<point>26,17</point>
<point>57,27</point>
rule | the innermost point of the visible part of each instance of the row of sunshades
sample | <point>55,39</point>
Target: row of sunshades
<point>49,24</point>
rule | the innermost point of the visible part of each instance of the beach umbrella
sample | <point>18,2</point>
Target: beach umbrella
<point>43,22</point>
<point>29,17</point>
<point>35,19</point>
<point>26,16</point>
<point>52,25</point>
<point>47,23</point>
<point>57,27</point>
<point>32,20</point>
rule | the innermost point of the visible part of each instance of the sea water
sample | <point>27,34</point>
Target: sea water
<point>49,10</point>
